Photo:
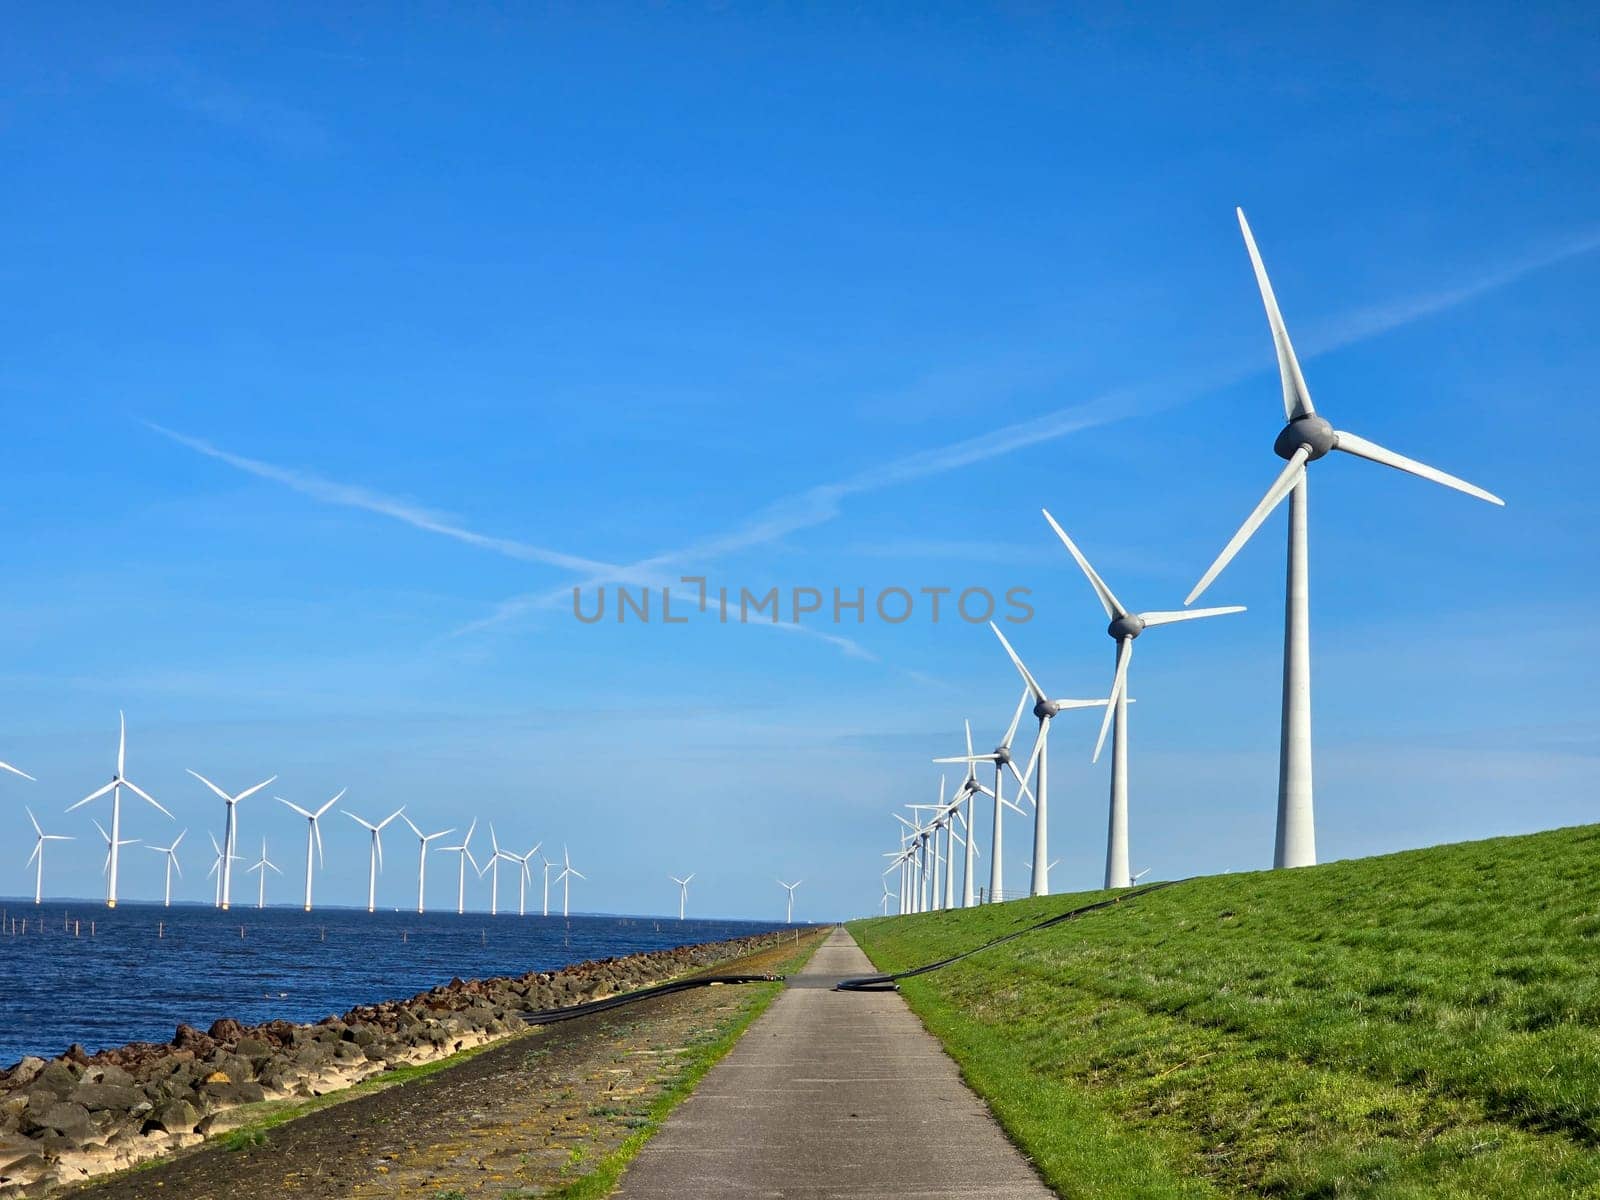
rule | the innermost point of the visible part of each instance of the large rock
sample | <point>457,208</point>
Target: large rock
<point>98,1097</point>
<point>25,1072</point>
<point>230,1092</point>
<point>69,1120</point>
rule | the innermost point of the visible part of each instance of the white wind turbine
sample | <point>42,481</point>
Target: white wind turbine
<point>1000,756</point>
<point>524,873</point>
<point>883,904</point>
<point>683,892</point>
<point>422,857</point>
<point>230,829</point>
<point>547,865</point>
<point>1124,628</point>
<point>465,851</point>
<point>118,782</point>
<point>216,869</point>
<point>1303,440</point>
<point>971,788</point>
<point>565,878</point>
<point>375,852</point>
<point>788,918</point>
<point>313,833</point>
<point>111,847</point>
<point>492,869</point>
<point>1045,709</point>
<point>263,865</point>
<point>38,848</point>
<point>172,862</point>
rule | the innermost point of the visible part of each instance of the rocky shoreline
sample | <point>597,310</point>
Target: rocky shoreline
<point>79,1115</point>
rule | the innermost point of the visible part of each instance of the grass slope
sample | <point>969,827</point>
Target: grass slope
<point>1423,1024</point>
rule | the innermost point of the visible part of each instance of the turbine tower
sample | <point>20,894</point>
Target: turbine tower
<point>788,918</point>
<point>1045,709</point>
<point>565,878</point>
<point>1306,438</point>
<point>422,857</point>
<point>313,834</point>
<point>1124,628</point>
<point>38,847</point>
<point>172,861</point>
<point>464,849</point>
<point>230,830</point>
<point>683,892</point>
<point>375,853</point>
<point>263,865</point>
<point>118,782</point>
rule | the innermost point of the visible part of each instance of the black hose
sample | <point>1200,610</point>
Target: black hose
<point>550,1016</point>
<point>886,983</point>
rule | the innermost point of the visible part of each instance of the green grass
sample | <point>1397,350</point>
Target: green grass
<point>1420,1025</point>
<point>702,1056</point>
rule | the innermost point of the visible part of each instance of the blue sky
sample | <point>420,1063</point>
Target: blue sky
<point>445,307</point>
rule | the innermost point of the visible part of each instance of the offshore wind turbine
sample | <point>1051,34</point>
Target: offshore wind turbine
<point>565,878</point>
<point>492,868</point>
<point>111,846</point>
<point>1045,709</point>
<point>375,852</point>
<point>422,857</point>
<point>524,873</point>
<point>313,834</point>
<point>788,918</point>
<point>1306,438</point>
<point>465,850</point>
<point>683,892</point>
<point>230,829</point>
<point>1124,628</point>
<point>38,848</point>
<point>263,865</point>
<point>118,782</point>
<point>172,861</point>
<point>547,865</point>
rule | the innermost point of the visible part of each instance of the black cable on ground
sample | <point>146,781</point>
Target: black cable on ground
<point>887,983</point>
<point>550,1016</point>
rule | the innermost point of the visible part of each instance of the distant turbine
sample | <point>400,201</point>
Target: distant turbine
<point>263,866</point>
<point>547,865</point>
<point>1141,875</point>
<point>1045,709</point>
<point>1000,756</point>
<point>1124,627</point>
<point>565,878</point>
<point>969,788</point>
<point>313,834</point>
<point>683,891</point>
<point>788,918</point>
<point>38,847</point>
<point>464,849</point>
<point>118,782</point>
<point>883,904</point>
<point>1306,438</point>
<point>111,846</point>
<point>492,869</point>
<point>230,829</point>
<point>524,873</point>
<point>172,861</point>
<point>216,869</point>
<point>375,852</point>
<point>422,857</point>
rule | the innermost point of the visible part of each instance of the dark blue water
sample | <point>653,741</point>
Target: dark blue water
<point>125,983</point>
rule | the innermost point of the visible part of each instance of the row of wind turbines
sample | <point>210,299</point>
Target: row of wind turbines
<point>226,851</point>
<point>925,858</point>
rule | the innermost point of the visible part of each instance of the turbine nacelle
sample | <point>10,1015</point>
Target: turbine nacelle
<point>1311,432</point>
<point>1128,625</point>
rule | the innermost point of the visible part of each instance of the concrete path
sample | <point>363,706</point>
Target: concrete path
<point>833,1094</point>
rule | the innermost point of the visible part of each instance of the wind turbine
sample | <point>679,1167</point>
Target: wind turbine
<point>547,865</point>
<point>466,857</point>
<point>1303,440</point>
<point>492,869</point>
<point>970,787</point>
<point>524,873</point>
<point>263,866</point>
<point>788,918</point>
<point>1000,756</point>
<point>118,782</point>
<point>38,847</point>
<point>565,879</point>
<point>172,861</point>
<point>422,856</point>
<point>313,834</point>
<point>216,869</point>
<point>1124,628</point>
<point>683,891</point>
<point>111,847</point>
<point>230,829</point>
<point>883,903</point>
<point>1045,709</point>
<point>375,854</point>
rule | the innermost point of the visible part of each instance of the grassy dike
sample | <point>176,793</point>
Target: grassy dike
<point>1424,1024</point>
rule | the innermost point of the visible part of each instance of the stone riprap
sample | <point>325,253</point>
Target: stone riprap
<point>79,1115</point>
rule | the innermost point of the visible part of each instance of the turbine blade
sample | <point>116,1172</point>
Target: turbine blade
<point>1152,619</point>
<point>1016,718</point>
<point>4,766</point>
<point>1108,601</point>
<point>1296,396</point>
<point>1033,684</point>
<point>1285,483</point>
<point>1118,682</point>
<point>144,795</point>
<point>414,828</point>
<point>32,820</point>
<point>95,795</point>
<point>122,741</point>
<point>294,806</point>
<point>316,831</point>
<point>332,802</point>
<point>253,790</point>
<point>222,794</point>
<point>38,848</point>
<point>1361,448</point>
